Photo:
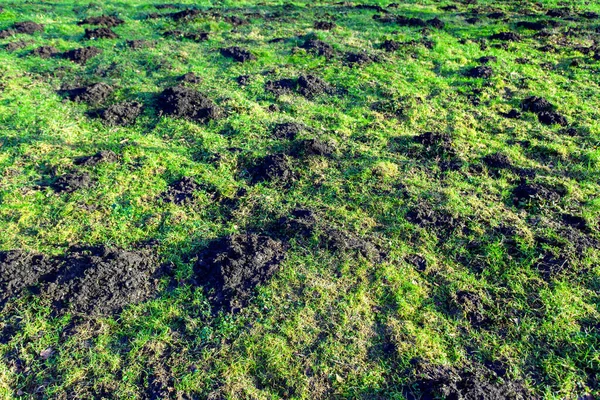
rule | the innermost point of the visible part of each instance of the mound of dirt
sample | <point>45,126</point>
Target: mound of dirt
<point>316,147</point>
<point>82,55</point>
<point>536,105</point>
<point>534,26</point>
<point>71,182</point>
<point>487,59</point>
<point>100,33</point>
<point>497,160</point>
<point>527,193</point>
<point>101,280</point>
<point>512,114</point>
<point>194,36</point>
<point>138,44</point>
<point>506,37</point>
<point>477,383</point>
<point>44,52</point>
<point>243,80</point>
<point>190,77</point>
<point>318,47</point>
<point>482,71</point>
<point>360,58</point>
<point>471,306</point>
<point>288,130</point>
<point>274,167</point>
<point>436,23</point>
<point>103,20</point>
<point>552,118</point>
<point>181,191</point>
<point>324,25</point>
<point>311,86</point>
<point>235,21</point>
<point>103,156</point>
<point>14,46</point>
<point>391,45</point>
<point>27,27</point>
<point>236,264</point>
<point>436,143</point>
<point>428,217</point>
<point>238,54</point>
<point>186,15</point>
<point>122,113</point>
<point>20,270</point>
<point>93,94</point>
<point>183,102</point>
<point>307,85</point>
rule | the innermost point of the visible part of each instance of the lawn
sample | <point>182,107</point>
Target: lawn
<point>306,200</point>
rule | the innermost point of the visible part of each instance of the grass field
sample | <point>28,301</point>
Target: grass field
<point>388,201</point>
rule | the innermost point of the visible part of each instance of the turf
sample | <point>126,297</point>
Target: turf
<point>449,246</point>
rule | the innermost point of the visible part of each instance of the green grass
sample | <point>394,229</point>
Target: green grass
<point>317,329</point>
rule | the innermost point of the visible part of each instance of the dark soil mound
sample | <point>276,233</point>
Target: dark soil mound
<point>479,383</point>
<point>93,94</point>
<point>391,45</point>
<point>428,217</point>
<point>559,13</point>
<point>288,130</point>
<point>27,27</point>
<point>100,33</point>
<point>194,36</point>
<point>527,193</point>
<point>238,54</point>
<point>14,46</point>
<point>243,80</point>
<point>236,264</point>
<point>360,58</point>
<point>534,26</point>
<point>552,118</point>
<point>487,59</point>
<point>311,86</point>
<point>181,191</point>
<point>185,15</point>
<point>101,281</point>
<point>576,222</point>
<point>81,56</point>
<point>482,71</point>
<point>190,77</point>
<point>436,23</point>
<point>497,160</point>
<point>506,37</point>
<point>183,102</point>
<point>71,182</point>
<point>536,104</point>
<point>318,47</point>
<point>324,25</point>
<point>122,113</point>
<point>549,265</point>
<point>138,44</point>
<point>20,270</point>
<point>307,85</point>
<point>436,143</point>
<point>512,114</point>
<point>274,167</point>
<point>44,51</point>
<point>100,157</point>
<point>104,20</point>
<point>316,147</point>
<point>471,306</point>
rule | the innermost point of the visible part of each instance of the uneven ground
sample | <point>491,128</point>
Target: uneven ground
<point>314,200</point>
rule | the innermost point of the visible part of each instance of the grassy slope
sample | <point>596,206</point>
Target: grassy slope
<point>318,328</point>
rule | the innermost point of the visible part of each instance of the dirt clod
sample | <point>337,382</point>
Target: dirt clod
<point>82,55</point>
<point>391,45</point>
<point>324,25</point>
<point>238,54</point>
<point>506,37</point>
<point>181,191</point>
<point>311,86</point>
<point>288,130</point>
<point>71,182</point>
<point>274,167</point>
<point>536,104</point>
<point>100,33</point>
<point>103,20</point>
<point>183,102</point>
<point>122,113</point>
<point>103,156</point>
<point>482,71</point>
<point>101,280</point>
<point>44,52</point>
<point>190,77</point>
<point>552,118</point>
<point>360,58</point>
<point>27,27</point>
<point>20,270</point>
<point>436,143</point>
<point>93,94</point>
<point>236,264</point>
<point>528,193</point>
<point>318,47</point>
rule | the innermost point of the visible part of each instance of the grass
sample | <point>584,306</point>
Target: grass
<point>327,325</point>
